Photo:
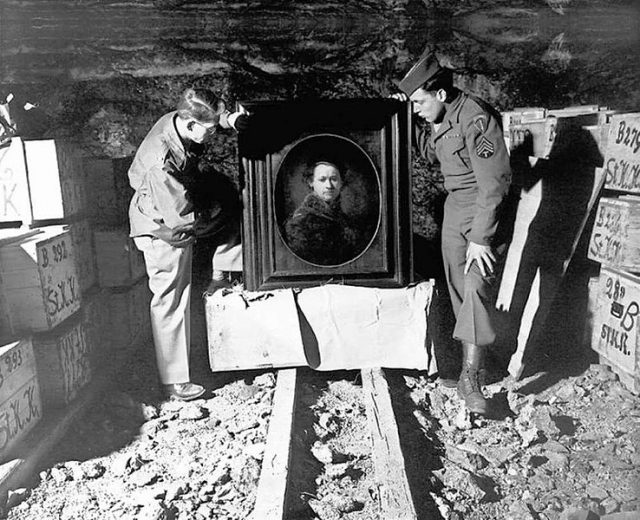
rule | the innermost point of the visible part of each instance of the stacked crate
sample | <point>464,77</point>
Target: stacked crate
<point>615,244</point>
<point>120,265</point>
<point>46,266</point>
<point>20,406</point>
<point>58,193</point>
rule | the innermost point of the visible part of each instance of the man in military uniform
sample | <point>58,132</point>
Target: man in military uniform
<point>466,139</point>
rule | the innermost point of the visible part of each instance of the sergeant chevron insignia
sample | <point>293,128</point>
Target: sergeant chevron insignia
<point>484,147</point>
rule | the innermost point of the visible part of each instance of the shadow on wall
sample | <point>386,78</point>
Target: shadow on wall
<point>561,187</point>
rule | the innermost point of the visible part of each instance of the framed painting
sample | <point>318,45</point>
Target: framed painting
<point>327,193</point>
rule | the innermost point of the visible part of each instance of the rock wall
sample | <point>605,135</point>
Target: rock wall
<point>101,72</point>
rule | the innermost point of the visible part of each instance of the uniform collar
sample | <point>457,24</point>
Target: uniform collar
<point>451,116</point>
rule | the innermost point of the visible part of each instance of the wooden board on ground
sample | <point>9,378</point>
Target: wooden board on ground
<point>248,330</point>
<point>20,408</point>
<point>38,277</point>
<point>616,335</point>
<point>272,485</point>
<point>118,260</point>
<point>56,179</point>
<point>390,475</point>
<point>63,363</point>
<point>615,238</point>
<point>14,188</point>
<point>622,160</point>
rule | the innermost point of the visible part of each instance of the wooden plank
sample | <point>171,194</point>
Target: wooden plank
<point>391,478</point>
<point>622,161</point>
<point>272,486</point>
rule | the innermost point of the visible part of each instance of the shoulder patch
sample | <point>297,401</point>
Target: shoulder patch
<point>480,122</point>
<point>484,147</point>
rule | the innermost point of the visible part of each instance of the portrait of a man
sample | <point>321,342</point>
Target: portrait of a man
<point>329,201</point>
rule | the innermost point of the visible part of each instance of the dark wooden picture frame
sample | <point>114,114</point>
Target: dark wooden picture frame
<point>369,141</point>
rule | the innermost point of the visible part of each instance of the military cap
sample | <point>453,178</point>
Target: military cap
<point>428,73</point>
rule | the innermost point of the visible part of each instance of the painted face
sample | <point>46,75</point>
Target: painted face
<point>198,131</point>
<point>327,182</point>
<point>427,105</point>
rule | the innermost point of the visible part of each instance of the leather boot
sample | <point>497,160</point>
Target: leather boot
<point>469,387</point>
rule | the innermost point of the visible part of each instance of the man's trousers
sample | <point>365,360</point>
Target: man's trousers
<point>169,270</point>
<point>472,295</point>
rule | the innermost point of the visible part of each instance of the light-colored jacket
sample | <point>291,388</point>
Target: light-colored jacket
<point>159,206</point>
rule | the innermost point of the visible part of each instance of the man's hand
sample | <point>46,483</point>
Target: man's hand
<point>482,255</point>
<point>400,96</point>
<point>239,120</point>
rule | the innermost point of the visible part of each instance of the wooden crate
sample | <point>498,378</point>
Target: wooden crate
<point>615,325</point>
<point>622,160</point>
<point>600,135</point>
<point>119,333</point>
<point>56,179</point>
<point>9,236</point>
<point>82,237</point>
<point>615,238</point>
<point>39,279</point>
<point>63,362</point>
<point>118,259</point>
<point>109,194</point>
<point>95,316</point>
<point>139,301</point>
<point>20,406</point>
<point>542,132</point>
<point>14,191</point>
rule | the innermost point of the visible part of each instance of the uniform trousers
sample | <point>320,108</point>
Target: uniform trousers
<point>472,295</point>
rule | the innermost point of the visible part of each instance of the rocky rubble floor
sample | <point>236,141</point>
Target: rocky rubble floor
<point>558,449</point>
<point>135,455</point>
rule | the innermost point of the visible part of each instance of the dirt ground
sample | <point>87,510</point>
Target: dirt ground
<point>559,442</point>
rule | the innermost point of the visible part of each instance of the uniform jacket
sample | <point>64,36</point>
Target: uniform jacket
<point>473,157</point>
<point>160,206</point>
<point>320,233</point>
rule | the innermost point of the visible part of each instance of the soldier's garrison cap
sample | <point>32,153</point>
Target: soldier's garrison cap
<point>427,73</point>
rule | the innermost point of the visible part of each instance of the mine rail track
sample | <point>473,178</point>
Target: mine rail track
<point>393,490</point>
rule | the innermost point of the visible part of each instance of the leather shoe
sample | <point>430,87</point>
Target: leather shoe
<point>183,391</point>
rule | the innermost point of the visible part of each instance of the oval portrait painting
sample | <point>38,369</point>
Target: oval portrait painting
<point>327,200</point>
